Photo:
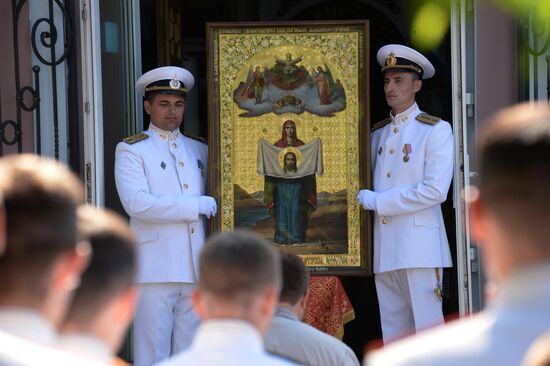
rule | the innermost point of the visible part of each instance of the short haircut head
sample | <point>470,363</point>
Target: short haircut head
<point>40,199</point>
<point>112,268</point>
<point>238,266</point>
<point>295,278</point>
<point>538,353</point>
<point>514,170</point>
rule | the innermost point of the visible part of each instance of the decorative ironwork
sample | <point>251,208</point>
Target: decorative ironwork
<point>16,132</point>
<point>48,39</point>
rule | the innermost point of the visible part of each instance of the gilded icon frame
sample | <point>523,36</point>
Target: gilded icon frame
<point>260,75</point>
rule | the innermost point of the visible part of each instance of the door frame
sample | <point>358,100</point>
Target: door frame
<point>463,84</point>
<point>92,110</point>
<point>90,37</point>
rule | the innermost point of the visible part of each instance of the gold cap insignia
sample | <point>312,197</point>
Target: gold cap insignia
<point>391,60</point>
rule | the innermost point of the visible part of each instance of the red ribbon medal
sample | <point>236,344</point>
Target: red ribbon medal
<point>407,149</point>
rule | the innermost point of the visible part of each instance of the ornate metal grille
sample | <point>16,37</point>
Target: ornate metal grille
<point>11,130</point>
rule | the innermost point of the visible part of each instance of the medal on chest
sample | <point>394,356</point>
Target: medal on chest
<point>407,149</point>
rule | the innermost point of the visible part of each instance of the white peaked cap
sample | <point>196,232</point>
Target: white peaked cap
<point>166,78</point>
<point>403,58</point>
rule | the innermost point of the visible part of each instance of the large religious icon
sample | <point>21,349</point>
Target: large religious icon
<point>288,138</point>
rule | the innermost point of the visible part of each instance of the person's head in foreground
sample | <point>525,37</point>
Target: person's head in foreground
<point>103,304</point>
<point>539,352</point>
<point>43,259</point>
<point>240,278</point>
<point>295,284</point>
<point>510,215</point>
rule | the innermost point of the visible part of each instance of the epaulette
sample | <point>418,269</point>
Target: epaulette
<point>195,137</point>
<point>381,124</point>
<point>136,138</point>
<point>426,118</point>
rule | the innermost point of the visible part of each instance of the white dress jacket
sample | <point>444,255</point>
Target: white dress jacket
<point>412,163</point>
<point>159,179</point>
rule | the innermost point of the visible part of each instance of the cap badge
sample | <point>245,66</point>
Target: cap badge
<point>175,83</point>
<point>391,60</point>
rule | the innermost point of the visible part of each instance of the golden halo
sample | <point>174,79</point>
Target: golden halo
<point>293,150</point>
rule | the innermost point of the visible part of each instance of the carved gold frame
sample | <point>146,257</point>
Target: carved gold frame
<point>234,47</point>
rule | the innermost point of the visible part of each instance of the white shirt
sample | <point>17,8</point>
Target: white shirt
<point>27,324</point>
<point>86,345</point>
<point>499,335</point>
<point>227,342</point>
<point>17,351</point>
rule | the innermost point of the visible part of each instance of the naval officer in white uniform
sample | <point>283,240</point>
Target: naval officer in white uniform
<point>510,222</point>
<point>412,163</point>
<point>161,178</point>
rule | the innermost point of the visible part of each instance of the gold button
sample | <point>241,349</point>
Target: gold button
<point>185,186</point>
<point>192,230</point>
<point>395,130</point>
<point>392,151</point>
<point>174,145</point>
<point>181,164</point>
<point>388,175</point>
<point>384,221</point>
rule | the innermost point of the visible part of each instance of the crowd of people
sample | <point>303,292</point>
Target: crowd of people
<point>75,276</point>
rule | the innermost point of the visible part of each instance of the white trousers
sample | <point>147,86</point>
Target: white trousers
<point>407,301</point>
<point>164,323</point>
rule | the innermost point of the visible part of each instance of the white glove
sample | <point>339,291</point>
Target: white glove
<point>367,199</point>
<point>207,206</point>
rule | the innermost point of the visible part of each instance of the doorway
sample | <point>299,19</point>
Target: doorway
<point>174,32</point>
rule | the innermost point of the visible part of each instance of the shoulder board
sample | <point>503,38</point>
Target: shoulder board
<point>136,138</point>
<point>194,137</point>
<point>426,118</point>
<point>381,124</point>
